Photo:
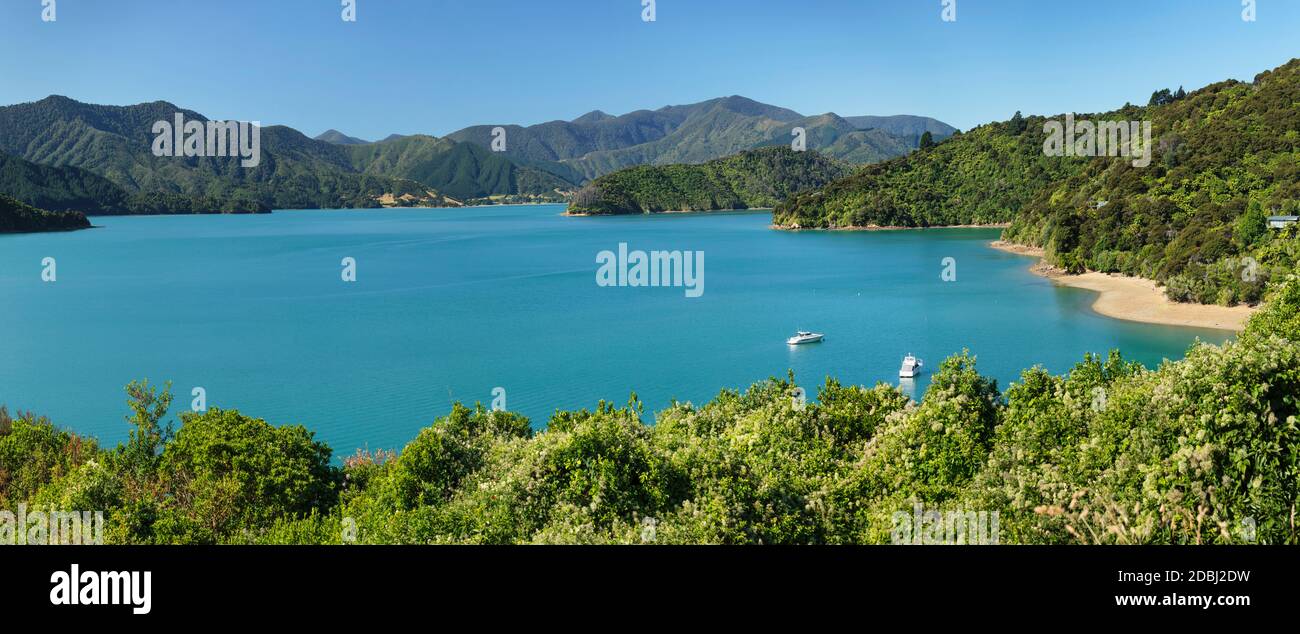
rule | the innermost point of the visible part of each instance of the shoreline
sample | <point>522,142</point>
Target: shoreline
<point>1135,299</point>
<point>1001,225</point>
<point>583,214</point>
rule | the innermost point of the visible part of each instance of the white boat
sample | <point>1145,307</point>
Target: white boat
<point>803,337</point>
<point>911,367</point>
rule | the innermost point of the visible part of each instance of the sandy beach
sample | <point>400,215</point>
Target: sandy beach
<point>1137,299</point>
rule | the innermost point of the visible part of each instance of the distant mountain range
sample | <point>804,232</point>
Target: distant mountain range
<point>61,154</point>
<point>598,143</point>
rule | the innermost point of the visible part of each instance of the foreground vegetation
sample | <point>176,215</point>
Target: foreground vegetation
<point>1204,450</point>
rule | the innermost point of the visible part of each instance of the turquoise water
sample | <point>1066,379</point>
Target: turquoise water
<point>449,304</point>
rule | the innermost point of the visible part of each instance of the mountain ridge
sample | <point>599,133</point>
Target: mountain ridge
<point>597,143</point>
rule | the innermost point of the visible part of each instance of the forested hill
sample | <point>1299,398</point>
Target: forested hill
<point>756,178</point>
<point>1223,159</point>
<point>1226,157</point>
<point>460,170</point>
<point>69,188</point>
<point>59,188</point>
<point>983,176</point>
<point>19,217</point>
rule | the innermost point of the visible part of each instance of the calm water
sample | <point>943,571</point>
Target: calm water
<point>452,303</point>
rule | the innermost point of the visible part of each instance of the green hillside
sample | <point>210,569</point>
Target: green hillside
<point>756,178</point>
<point>1224,158</point>
<point>75,189</point>
<point>983,176</point>
<point>905,126</point>
<point>460,170</point>
<point>60,188</point>
<point>19,217</point>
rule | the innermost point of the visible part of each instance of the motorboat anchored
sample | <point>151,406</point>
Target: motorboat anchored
<point>803,337</point>
<point>911,367</point>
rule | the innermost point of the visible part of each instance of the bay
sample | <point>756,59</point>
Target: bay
<point>452,303</point>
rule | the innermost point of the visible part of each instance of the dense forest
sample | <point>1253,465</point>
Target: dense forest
<point>757,178</point>
<point>1204,450</point>
<point>1224,158</point>
<point>74,189</point>
<point>19,217</point>
<point>983,176</point>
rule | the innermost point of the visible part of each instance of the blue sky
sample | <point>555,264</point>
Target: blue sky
<point>434,66</point>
